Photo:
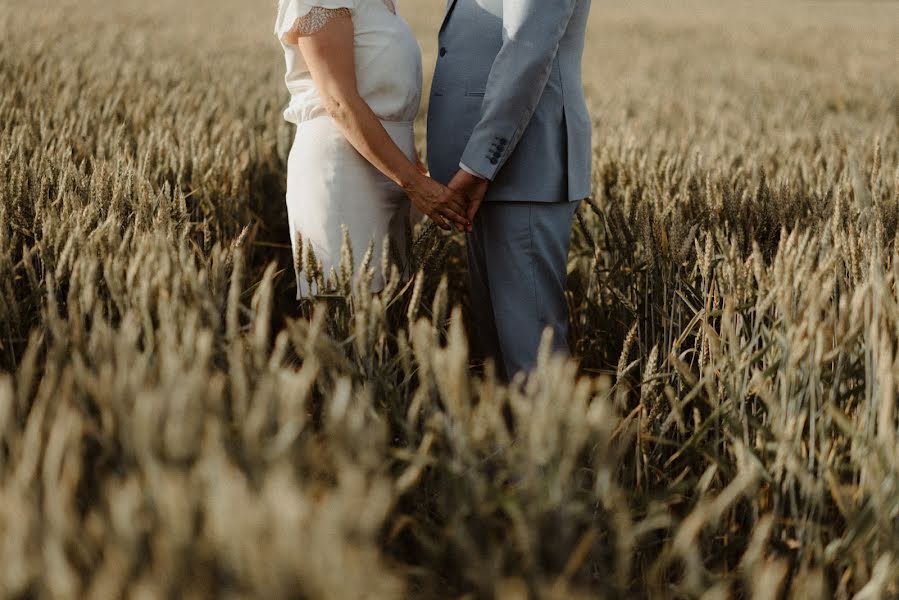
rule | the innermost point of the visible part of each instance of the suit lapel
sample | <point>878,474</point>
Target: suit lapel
<point>449,9</point>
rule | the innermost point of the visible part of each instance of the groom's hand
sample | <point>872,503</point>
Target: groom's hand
<point>473,188</point>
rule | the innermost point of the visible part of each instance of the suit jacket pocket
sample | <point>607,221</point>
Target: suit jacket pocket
<point>475,89</point>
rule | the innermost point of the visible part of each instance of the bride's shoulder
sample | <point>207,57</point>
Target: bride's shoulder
<point>293,13</point>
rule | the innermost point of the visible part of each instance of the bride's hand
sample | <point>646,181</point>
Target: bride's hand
<point>420,165</point>
<point>444,206</point>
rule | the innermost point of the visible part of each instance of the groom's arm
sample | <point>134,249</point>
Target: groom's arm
<point>532,31</point>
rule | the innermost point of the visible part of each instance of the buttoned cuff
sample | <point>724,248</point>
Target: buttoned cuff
<point>487,150</point>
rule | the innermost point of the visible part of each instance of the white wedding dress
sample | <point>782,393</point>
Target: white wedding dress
<point>329,184</point>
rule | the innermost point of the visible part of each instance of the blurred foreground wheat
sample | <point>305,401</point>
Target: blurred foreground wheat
<point>172,424</point>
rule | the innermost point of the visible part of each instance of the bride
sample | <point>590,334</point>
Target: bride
<point>354,76</point>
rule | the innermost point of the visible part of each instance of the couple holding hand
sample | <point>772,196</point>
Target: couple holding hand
<point>509,148</point>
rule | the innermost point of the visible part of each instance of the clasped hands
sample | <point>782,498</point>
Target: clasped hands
<point>473,189</point>
<point>451,206</point>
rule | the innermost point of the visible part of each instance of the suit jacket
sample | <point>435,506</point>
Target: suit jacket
<point>508,98</point>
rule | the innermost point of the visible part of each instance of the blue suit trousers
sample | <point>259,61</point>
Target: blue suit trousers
<point>517,264</point>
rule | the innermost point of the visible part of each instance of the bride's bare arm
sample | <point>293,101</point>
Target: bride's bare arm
<point>328,53</point>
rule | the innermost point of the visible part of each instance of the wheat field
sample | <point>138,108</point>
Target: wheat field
<point>173,424</point>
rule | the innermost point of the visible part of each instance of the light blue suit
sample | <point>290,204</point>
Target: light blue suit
<point>507,101</point>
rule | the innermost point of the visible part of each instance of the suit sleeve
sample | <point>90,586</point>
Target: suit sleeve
<point>532,32</point>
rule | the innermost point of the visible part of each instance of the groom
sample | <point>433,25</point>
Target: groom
<point>508,127</point>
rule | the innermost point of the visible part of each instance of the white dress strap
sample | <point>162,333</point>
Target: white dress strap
<point>315,20</point>
<point>305,17</point>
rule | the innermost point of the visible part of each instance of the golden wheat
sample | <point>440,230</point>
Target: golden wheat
<point>173,423</point>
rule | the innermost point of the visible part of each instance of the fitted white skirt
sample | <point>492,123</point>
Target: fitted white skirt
<point>329,186</point>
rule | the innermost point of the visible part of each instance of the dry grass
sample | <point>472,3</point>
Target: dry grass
<point>172,424</point>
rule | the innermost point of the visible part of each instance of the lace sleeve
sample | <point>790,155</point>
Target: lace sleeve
<point>315,20</point>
